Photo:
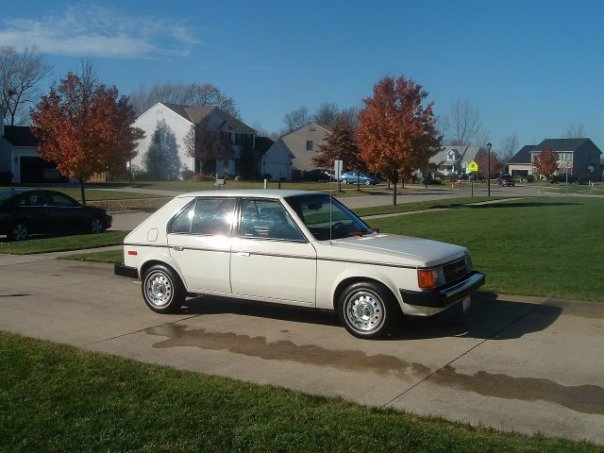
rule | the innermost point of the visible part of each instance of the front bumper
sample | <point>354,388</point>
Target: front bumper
<point>125,271</point>
<point>444,296</point>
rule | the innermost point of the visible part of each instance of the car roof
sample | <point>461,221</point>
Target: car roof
<point>255,193</point>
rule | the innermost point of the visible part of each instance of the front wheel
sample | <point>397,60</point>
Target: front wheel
<point>368,310</point>
<point>96,226</point>
<point>162,289</point>
<point>367,182</point>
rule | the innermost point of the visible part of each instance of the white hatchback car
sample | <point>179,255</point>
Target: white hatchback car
<point>297,248</point>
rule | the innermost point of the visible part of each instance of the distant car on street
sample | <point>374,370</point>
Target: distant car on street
<point>30,211</point>
<point>506,180</point>
<point>362,177</point>
<point>317,174</point>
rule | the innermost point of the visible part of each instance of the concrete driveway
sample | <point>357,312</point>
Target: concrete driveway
<point>528,365</point>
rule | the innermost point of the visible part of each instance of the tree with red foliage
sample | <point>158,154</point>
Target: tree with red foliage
<point>339,145</point>
<point>396,134</point>
<point>85,128</point>
<point>546,162</point>
<point>482,159</point>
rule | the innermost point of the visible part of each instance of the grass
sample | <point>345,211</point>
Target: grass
<point>58,398</point>
<point>422,205</point>
<point>106,256</point>
<point>62,243</point>
<point>540,246</point>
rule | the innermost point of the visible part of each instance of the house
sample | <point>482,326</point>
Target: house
<point>276,162</point>
<point>303,144</point>
<point>19,159</point>
<point>576,156</point>
<point>176,121</point>
<point>454,159</point>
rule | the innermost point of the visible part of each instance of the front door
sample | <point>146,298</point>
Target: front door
<point>271,259</point>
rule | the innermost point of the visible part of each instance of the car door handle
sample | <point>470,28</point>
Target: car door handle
<point>178,248</point>
<point>243,253</point>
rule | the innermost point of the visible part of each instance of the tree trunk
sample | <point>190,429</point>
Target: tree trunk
<point>394,194</point>
<point>82,196</point>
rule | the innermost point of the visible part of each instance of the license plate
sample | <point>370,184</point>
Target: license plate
<point>465,303</point>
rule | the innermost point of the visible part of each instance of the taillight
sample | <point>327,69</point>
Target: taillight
<point>426,278</point>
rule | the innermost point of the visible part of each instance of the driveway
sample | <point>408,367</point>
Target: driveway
<point>523,364</point>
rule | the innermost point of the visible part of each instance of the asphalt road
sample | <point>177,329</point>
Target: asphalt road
<point>521,364</point>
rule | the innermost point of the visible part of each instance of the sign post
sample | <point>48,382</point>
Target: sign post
<point>473,167</point>
<point>338,166</point>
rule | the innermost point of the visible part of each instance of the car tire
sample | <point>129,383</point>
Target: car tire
<point>367,182</point>
<point>162,289</point>
<point>96,226</point>
<point>368,310</point>
<point>19,232</point>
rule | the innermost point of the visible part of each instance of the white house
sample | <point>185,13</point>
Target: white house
<point>277,161</point>
<point>180,120</point>
<point>454,159</point>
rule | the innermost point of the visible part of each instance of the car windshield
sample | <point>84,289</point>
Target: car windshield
<point>326,218</point>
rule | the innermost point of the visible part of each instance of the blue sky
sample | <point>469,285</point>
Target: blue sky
<point>531,68</point>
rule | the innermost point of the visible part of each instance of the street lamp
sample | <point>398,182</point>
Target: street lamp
<point>489,169</point>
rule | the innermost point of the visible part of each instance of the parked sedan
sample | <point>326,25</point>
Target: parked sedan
<point>28,211</point>
<point>295,248</point>
<point>506,180</point>
<point>360,177</point>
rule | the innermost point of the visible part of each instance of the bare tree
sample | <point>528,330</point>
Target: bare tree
<point>296,119</point>
<point>327,114</point>
<point>193,94</point>
<point>508,147</point>
<point>574,131</point>
<point>20,74</point>
<point>464,121</point>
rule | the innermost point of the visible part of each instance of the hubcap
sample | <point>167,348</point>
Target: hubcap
<point>96,226</point>
<point>20,232</point>
<point>364,311</point>
<point>158,289</point>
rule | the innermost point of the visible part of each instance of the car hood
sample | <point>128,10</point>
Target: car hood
<point>392,249</point>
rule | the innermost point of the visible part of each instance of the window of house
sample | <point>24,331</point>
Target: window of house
<point>309,145</point>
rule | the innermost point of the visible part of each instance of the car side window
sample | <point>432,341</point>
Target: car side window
<point>60,200</point>
<point>205,216</point>
<point>33,199</point>
<point>267,219</point>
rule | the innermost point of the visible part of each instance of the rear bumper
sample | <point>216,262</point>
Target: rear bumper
<point>125,271</point>
<point>443,297</point>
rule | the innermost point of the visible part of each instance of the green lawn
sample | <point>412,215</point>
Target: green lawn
<point>538,246</point>
<point>62,243</point>
<point>58,398</point>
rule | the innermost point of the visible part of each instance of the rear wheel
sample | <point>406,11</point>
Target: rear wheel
<point>368,310</point>
<point>19,232</point>
<point>162,289</point>
<point>367,182</point>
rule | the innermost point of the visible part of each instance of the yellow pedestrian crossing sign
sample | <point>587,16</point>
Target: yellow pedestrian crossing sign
<point>473,166</point>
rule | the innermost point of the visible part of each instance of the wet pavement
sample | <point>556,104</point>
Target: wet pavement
<point>513,363</point>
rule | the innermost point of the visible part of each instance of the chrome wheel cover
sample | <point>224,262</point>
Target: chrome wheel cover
<point>364,311</point>
<point>20,232</point>
<point>159,290</point>
<point>96,226</point>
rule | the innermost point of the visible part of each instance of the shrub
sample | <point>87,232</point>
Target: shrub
<point>187,175</point>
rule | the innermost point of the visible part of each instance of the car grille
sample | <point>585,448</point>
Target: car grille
<point>455,270</point>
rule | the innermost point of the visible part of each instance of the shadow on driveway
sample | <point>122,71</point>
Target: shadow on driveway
<point>487,318</point>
